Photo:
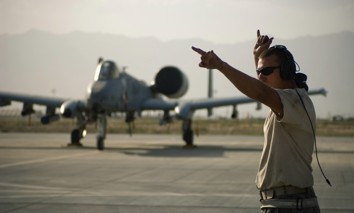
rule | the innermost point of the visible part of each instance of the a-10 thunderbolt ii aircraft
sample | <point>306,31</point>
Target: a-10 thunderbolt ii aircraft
<point>114,90</point>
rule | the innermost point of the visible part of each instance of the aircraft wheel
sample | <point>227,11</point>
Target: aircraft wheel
<point>188,137</point>
<point>75,136</point>
<point>100,143</point>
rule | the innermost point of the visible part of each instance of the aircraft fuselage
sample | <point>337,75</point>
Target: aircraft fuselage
<point>120,94</point>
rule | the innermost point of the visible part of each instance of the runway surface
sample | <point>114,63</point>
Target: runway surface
<point>153,173</point>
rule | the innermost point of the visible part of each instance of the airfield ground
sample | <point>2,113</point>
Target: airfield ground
<point>150,171</point>
<point>153,173</point>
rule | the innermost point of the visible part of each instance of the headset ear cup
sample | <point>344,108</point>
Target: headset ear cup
<point>288,65</point>
<point>284,71</point>
<point>282,68</point>
<point>287,70</point>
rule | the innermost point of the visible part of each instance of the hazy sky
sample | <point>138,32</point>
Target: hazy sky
<point>221,21</point>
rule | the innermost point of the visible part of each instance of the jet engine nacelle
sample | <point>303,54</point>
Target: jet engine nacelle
<point>171,82</point>
<point>71,108</point>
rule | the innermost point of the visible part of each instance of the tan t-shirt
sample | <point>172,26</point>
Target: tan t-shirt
<point>288,145</point>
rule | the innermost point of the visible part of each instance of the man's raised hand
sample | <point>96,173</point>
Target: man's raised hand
<point>263,42</point>
<point>209,59</point>
<point>200,51</point>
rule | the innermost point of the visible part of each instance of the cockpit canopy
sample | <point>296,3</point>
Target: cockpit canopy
<point>106,70</point>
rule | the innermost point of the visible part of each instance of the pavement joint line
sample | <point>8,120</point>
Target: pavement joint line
<point>134,205</point>
<point>30,186</point>
<point>43,160</point>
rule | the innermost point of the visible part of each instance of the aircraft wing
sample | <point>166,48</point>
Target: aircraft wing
<point>321,91</point>
<point>217,102</point>
<point>186,109</point>
<point>158,104</point>
<point>7,97</point>
<point>29,100</point>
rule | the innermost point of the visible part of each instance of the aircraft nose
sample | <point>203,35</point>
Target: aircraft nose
<point>96,92</point>
<point>97,88</point>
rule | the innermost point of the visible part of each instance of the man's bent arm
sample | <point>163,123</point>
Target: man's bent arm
<point>252,87</point>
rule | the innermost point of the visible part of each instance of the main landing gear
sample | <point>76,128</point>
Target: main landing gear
<point>187,133</point>
<point>101,130</point>
<point>80,131</point>
<point>76,136</point>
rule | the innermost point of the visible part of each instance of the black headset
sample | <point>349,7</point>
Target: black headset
<point>288,64</point>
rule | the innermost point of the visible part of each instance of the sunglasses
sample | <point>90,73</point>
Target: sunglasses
<point>266,70</point>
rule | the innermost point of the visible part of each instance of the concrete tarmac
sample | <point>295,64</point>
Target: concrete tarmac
<point>153,173</point>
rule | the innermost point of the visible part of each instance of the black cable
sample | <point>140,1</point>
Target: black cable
<point>314,137</point>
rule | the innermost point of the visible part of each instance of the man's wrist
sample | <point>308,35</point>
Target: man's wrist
<point>221,65</point>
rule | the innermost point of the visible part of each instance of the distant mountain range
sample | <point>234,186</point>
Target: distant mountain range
<point>63,65</point>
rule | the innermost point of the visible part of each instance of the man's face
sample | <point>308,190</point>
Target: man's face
<point>273,79</point>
